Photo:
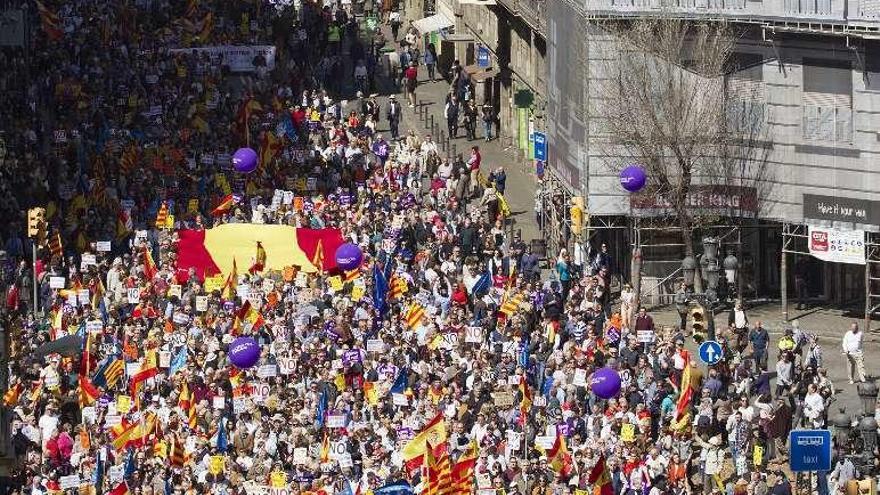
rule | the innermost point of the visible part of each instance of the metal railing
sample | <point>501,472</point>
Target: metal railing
<point>533,12</point>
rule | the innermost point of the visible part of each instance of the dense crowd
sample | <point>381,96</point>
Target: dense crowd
<point>453,345</point>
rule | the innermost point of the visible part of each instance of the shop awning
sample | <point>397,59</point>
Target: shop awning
<point>459,38</point>
<point>433,23</point>
<point>480,74</point>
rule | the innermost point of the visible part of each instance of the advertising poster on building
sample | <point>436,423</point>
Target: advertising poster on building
<point>838,246</point>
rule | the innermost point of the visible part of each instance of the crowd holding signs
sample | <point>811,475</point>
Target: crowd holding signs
<point>344,314</point>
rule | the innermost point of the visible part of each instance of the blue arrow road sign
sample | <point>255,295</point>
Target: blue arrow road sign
<point>710,352</point>
<point>810,450</point>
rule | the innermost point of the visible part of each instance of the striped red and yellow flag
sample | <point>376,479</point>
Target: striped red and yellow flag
<point>177,454</point>
<point>150,269</point>
<point>463,470</point>
<point>185,398</point>
<point>230,288</point>
<point>128,160</point>
<point>525,404</point>
<point>398,287</point>
<point>114,372</point>
<point>88,392</point>
<point>511,304</point>
<point>352,275</point>
<point>162,216</point>
<point>439,474</point>
<point>414,315</point>
<point>55,245</point>
<point>50,21</point>
<point>318,257</point>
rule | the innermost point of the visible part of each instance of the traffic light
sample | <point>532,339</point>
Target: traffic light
<point>36,223</point>
<point>698,324</point>
<point>577,215</point>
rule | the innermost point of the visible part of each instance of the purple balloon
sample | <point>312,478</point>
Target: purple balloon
<point>349,256</point>
<point>605,383</point>
<point>633,178</point>
<point>245,160</point>
<point>244,352</point>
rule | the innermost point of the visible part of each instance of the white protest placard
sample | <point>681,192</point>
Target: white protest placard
<point>301,279</point>
<point>174,291</point>
<point>268,285</point>
<point>645,336</point>
<point>115,473</point>
<point>56,282</point>
<point>103,246</point>
<point>513,380</point>
<point>132,368</point>
<point>484,480</point>
<point>580,377</point>
<point>545,441</point>
<point>68,482</point>
<point>243,291</point>
<point>260,392</point>
<point>112,420</point>
<point>239,405</point>
<point>300,455</point>
<point>89,415</point>
<point>267,371</point>
<point>71,299</point>
<point>337,448</point>
<point>94,326</point>
<point>89,259</point>
<point>83,297</point>
<point>514,438</point>
<point>399,399</point>
<point>450,341</point>
<point>286,365</point>
<point>336,421</point>
<point>345,460</point>
<point>164,359</point>
<point>336,364</point>
<point>201,304</point>
<point>473,335</point>
<point>375,345</point>
<point>218,402</point>
<point>134,295</point>
<point>539,401</point>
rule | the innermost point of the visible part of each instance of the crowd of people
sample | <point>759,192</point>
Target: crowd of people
<point>452,361</point>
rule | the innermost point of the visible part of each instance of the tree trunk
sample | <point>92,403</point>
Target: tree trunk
<point>636,277</point>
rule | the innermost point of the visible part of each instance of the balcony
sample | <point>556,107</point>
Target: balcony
<point>811,15</point>
<point>532,12</point>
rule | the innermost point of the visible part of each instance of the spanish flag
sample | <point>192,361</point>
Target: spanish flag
<point>685,395</point>
<point>225,205</point>
<point>88,392</point>
<point>600,478</point>
<point>135,434</point>
<point>147,371</point>
<point>247,314</point>
<point>259,260</point>
<point>183,401</point>
<point>270,146</point>
<point>371,393</point>
<point>434,432</point>
<point>10,398</point>
<point>231,286</point>
<point>150,269</point>
<point>525,404</point>
<point>325,448</point>
<point>50,22</point>
<point>558,456</point>
<point>121,489</point>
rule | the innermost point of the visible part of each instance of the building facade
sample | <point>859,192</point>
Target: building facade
<point>812,67</point>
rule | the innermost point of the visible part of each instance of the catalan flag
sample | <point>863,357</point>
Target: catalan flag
<point>191,417</point>
<point>178,455</point>
<point>129,159</point>
<point>398,287</point>
<point>511,304</point>
<point>463,470</point>
<point>162,216</point>
<point>109,373</point>
<point>150,269</point>
<point>50,21</point>
<point>55,245</point>
<point>439,473</point>
<point>414,315</point>
<point>259,259</point>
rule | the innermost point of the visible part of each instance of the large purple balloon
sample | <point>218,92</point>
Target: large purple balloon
<point>349,256</point>
<point>605,383</point>
<point>245,160</point>
<point>633,178</point>
<point>244,352</point>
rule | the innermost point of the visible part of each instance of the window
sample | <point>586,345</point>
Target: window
<point>827,100</point>
<point>744,87</point>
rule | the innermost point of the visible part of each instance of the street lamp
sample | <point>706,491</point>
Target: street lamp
<point>730,264</point>
<point>868,431</point>
<point>842,424</point>
<point>868,394</point>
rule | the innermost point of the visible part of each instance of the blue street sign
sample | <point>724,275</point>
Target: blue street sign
<point>810,450</point>
<point>540,146</point>
<point>483,56</point>
<point>710,352</point>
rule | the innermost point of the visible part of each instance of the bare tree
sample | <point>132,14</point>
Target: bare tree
<point>664,103</point>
